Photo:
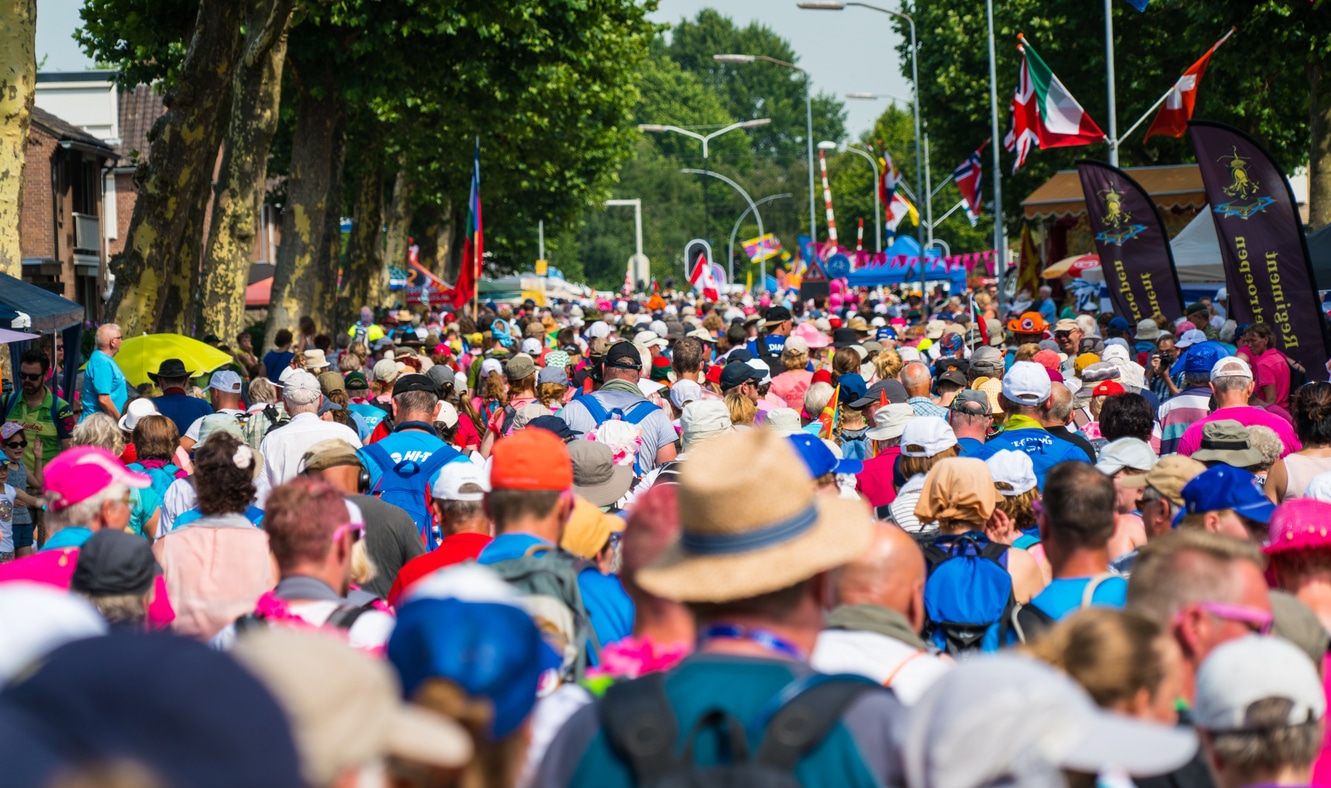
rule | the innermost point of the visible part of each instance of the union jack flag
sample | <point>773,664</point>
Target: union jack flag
<point>1024,133</point>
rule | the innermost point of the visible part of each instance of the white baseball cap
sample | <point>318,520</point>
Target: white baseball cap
<point>684,392</point>
<point>1190,337</point>
<point>1026,383</point>
<point>1231,367</point>
<point>1131,453</point>
<point>301,388</point>
<point>649,339</point>
<point>1241,672</point>
<point>225,380</point>
<point>447,484</point>
<point>926,436</point>
<point>762,369</point>
<point>598,330</point>
<point>1013,471</point>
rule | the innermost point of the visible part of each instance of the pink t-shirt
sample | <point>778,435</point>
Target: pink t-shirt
<point>875,481</point>
<point>1270,369</point>
<point>790,387</point>
<point>1247,415</point>
<point>55,567</point>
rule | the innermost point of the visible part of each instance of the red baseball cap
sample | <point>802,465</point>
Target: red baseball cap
<point>78,474</point>
<point>530,460</point>
<point>1107,388</point>
<point>714,374</point>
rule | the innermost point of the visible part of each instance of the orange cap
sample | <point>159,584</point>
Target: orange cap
<point>530,460</point>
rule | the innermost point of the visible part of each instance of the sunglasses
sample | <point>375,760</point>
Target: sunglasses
<point>27,376</point>
<point>1062,334</point>
<point>357,531</point>
<point>17,444</point>
<point>1259,621</point>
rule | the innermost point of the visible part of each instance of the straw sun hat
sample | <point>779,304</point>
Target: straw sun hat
<point>751,528</point>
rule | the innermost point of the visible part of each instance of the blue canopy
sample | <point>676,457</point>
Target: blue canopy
<point>902,265</point>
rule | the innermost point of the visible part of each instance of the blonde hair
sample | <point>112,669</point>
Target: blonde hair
<point>1027,352</point>
<point>101,430</point>
<point>494,388</point>
<point>793,361</point>
<point>551,395</point>
<point>261,390</point>
<point>1112,653</point>
<point>742,410</point>
<point>496,764</point>
<point>363,569</point>
<point>914,466</point>
<point>887,364</point>
<point>1019,508</point>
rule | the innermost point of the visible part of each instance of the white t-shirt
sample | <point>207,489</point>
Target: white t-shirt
<point>369,632</point>
<point>909,670</point>
<point>7,496</point>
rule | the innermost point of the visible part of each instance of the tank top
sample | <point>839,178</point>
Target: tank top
<point>1299,470</point>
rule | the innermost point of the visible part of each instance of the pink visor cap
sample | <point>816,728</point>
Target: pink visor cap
<point>78,474</point>
<point>1300,524</point>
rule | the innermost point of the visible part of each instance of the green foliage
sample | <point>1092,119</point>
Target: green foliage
<point>1257,81</point>
<point>144,40</point>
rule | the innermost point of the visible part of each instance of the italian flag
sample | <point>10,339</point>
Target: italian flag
<point>1045,112</point>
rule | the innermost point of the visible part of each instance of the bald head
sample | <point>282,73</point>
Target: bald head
<point>916,378</point>
<point>1060,405</point>
<point>889,574</point>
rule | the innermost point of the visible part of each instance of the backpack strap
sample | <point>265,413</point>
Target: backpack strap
<point>1029,622</point>
<point>595,409</point>
<point>641,726</point>
<point>381,458</point>
<point>1092,586</point>
<point>804,720</point>
<point>510,415</point>
<point>345,616</point>
<point>638,411</point>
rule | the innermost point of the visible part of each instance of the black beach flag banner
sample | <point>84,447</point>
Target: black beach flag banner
<point>1267,268</point>
<point>1130,237</point>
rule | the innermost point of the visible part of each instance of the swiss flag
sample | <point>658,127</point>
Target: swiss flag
<point>1177,110</point>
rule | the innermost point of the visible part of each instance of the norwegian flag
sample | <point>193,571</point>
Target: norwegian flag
<point>703,279</point>
<point>1177,110</point>
<point>967,177</point>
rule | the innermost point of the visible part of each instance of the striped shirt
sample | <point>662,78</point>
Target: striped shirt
<point>1180,412</point>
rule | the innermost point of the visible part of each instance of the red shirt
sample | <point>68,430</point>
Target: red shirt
<point>455,549</point>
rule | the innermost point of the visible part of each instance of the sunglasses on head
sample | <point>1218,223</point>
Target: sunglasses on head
<point>357,531</point>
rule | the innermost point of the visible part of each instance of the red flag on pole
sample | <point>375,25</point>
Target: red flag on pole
<point>1177,110</point>
<point>473,244</point>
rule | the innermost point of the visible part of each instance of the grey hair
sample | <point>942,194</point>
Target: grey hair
<point>1231,383</point>
<point>1269,745</point>
<point>1185,567</point>
<point>121,609</point>
<point>102,331</point>
<point>100,430</point>
<point>816,398</point>
<point>295,408</point>
<point>1265,440</point>
<point>261,390</point>
<point>84,512</point>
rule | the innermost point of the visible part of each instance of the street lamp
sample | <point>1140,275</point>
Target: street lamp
<point>877,206</point>
<point>739,60</point>
<point>704,139</point>
<point>730,260</point>
<point>752,206</point>
<point>836,5</point>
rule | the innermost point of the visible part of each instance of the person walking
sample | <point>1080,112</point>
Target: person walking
<point>103,383</point>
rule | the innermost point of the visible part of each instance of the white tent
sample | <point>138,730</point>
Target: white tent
<point>1197,251</point>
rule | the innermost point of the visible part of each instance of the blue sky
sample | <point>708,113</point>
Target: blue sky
<point>848,51</point>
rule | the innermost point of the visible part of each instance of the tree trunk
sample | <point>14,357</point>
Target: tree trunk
<point>400,211</point>
<point>18,86</point>
<point>451,253</point>
<point>443,242</point>
<point>1319,154</point>
<point>364,282</point>
<point>305,278</point>
<point>158,272</point>
<point>256,95</point>
<point>429,219</point>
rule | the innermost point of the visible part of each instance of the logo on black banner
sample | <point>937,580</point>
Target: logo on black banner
<point>1248,201</point>
<point>1118,222</point>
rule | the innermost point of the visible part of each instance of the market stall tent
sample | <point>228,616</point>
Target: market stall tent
<point>48,314</point>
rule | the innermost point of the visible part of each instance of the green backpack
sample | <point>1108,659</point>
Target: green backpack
<point>553,573</point>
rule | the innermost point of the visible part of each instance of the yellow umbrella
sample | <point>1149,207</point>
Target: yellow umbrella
<point>143,354</point>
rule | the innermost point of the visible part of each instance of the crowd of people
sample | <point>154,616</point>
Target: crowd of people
<point>860,540</point>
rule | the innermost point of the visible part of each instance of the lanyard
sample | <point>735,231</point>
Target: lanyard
<point>765,638</point>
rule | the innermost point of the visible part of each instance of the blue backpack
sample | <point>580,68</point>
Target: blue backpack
<point>968,597</point>
<point>406,485</point>
<point>633,414</point>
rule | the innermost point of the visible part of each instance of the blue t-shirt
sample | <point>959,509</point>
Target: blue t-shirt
<point>274,361</point>
<point>1044,449</point>
<point>371,415</point>
<point>103,376</point>
<point>969,447</point>
<point>183,409</point>
<point>775,343</point>
<point>412,445</point>
<point>607,603</point>
<point>1062,597</point>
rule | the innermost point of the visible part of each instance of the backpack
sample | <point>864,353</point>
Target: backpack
<point>968,597</point>
<point>1029,622</point>
<point>641,728</point>
<point>343,617</point>
<point>554,574</point>
<point>255,426</point>
<point>633,414</point>
<point>765,355</point>
<point>406,485</point>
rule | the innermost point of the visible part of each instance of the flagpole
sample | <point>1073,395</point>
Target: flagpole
<point>1109,76</point>
<point>1167,93</point>
<point>999,252</point>
<point>476,266</point>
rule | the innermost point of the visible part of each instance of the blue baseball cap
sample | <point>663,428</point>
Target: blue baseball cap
<point>852,386</point>
<point>1225,487</point>
<point>886,333</point>
<point>1119,324</point>
<point>819,458</point>
<point>1200,357</point>
<point>491,650</point>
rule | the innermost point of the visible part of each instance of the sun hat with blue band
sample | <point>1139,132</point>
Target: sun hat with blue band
<point>752,524</point>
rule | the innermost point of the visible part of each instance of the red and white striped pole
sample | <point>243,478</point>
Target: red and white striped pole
<point>827,198</point>
<point>859,237</point>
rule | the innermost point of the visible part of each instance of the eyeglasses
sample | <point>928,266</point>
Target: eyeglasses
<point>1259,621</point>
<point>27,376</point>
<point>17,444</point>
<point>357,531</point>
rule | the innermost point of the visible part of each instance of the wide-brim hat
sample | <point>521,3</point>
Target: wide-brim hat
<point>171,368</point>
<point>755,527</point>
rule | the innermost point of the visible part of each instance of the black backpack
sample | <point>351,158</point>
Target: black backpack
<point>641,728</point>
<point>1030,623</point>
